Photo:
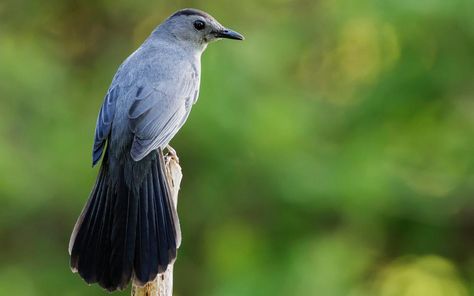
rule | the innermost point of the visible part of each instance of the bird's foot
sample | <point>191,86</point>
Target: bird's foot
<point>172,153</point>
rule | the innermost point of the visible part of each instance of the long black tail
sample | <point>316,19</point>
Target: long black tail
<point>126,229</point>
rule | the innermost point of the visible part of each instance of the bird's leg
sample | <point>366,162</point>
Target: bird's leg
<point>172,153</point>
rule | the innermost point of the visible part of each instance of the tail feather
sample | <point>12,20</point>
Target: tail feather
<point>85,229</point>
<point>158,226</point>
<point>89,271</point>
<point>124,230</point>
<point>145,254</point>
<point>104,245</point>
<point>123,235</point>
<point>161,216</point>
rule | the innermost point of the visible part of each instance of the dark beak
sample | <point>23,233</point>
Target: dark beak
<point>229,34</point>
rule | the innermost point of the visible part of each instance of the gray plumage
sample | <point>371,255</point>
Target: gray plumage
<point>129,226</point>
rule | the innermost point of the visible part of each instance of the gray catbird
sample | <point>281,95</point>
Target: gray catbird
<point>129,227</point>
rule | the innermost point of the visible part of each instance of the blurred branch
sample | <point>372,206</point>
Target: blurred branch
<point>162,285</point>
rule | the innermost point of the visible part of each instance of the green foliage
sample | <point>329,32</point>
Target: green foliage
<point>330,153</point>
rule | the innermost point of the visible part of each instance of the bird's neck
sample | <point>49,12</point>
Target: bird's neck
<point>163,35</point>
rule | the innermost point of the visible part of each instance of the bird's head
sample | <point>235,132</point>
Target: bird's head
<point>195,26</point>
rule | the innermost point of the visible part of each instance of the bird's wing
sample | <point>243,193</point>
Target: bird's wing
<point>104,122</point>
<point>158,112</point>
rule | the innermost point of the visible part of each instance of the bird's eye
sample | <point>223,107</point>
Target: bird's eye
<point>199,25</point>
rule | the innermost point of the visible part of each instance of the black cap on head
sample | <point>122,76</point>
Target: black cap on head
<point>191,11</point>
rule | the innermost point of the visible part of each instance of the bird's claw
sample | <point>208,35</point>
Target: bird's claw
<point>172,153</point>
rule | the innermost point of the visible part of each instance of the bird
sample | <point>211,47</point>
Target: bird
<point>129,228</point>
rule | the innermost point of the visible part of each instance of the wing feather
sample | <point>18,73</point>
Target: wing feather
<point>157,113</point>
<point>104,123</point>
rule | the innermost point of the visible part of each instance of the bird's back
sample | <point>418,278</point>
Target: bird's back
<point>160,81</point>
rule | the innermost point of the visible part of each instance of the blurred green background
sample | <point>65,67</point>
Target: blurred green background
<point>330,153</point>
